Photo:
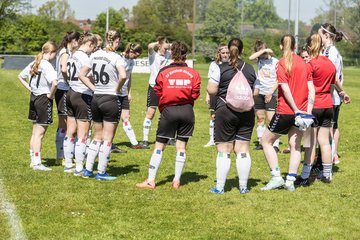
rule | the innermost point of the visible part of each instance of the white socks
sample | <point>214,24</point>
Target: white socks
<point>130,133</point>
<point>327,170</point>
<point>104,155</point>
<point>146,129</point>
<point>36,158</point>
<point>243,165</point>
<point>154,164</point>
<point>179,164</point>
<point>69,148</point>
<point>59,141</point>
<point>276,143</point>
<point>211,130</point>
<point>275,172</point>
<point>260,131</point>
<point>80,150</point>
<point>92,153</point>
<point>222,169</point>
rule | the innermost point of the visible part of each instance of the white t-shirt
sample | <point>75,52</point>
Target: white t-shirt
<point>75,62</point>
<point>62,83</point>
<point>104,70</point>
<point>333,54</point>
<point>214,73</point>
<point>129,65</point>
<point>41,83</point>
<point>266,78</point>
<point>157,62</point>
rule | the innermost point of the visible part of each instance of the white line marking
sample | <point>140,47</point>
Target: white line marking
<point>16,229</point>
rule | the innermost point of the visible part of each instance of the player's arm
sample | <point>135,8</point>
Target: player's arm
<point>122,78</point>
<point>53,88</point>
<point>254,57</point>
<point>151,47</point>
<point>311,96</point>
<point>63,63</point>
<point>195,92</point>
<point>83,76</point>
<point>24,82</point>
<point>129,88</point>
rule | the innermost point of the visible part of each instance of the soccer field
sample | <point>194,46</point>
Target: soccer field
<point>56,205</point>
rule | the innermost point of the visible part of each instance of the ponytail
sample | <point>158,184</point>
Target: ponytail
<point>331,30</point>
<point>111,36</point>
<point>235,46</point>
<point>288,43</point>
<point>314,45</point>
<point>48,47</point>
<point>87,37</point>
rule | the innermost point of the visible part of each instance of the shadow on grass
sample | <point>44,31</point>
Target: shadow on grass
<point>117,171</point>
<point>186,177</point>
<point>128,144</point>
<point>234,183</point>
<point>51,162</point>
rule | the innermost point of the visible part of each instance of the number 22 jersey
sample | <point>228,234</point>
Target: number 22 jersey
<point>74,65</point>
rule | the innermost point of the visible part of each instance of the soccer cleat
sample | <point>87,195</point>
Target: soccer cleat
<point>41,167</point>
<point>289,185</point>
<point>276,149</point>
<point>87,174</point>
<point>258,147</point>
<point>274,183</point>
<point>302,182</point>
<point>244,191</point>
<point>115,149</point>
<point>286,151</point>
<point>139,146</point>
<point>78,174</point>
<point>209,144</point>
<point>104,177</point>
<point>336,160</point>
<point>216,190</point>
<point>326,179</point>
<point>150,184</point>
<point>69,170</point>
<point>176,184</point>
<point>145,144</point>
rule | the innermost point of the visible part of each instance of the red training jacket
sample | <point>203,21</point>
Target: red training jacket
<point>177,84</point>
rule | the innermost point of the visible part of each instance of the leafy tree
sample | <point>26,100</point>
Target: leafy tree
<point>125,13</point>
<point>9,8</point>
<point>262,13</point>
<point>116,22</point>
<point>56,10</point>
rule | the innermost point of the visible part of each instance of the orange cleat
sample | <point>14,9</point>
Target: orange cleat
<point>150,184</point>
<point>176,184</point>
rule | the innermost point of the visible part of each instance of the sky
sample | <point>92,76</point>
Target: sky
<point>85,9</point>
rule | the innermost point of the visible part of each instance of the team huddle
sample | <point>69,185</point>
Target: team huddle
<point>91,85</point>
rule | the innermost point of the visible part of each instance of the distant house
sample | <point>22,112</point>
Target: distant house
<point>129,24</point>
<point>84,25</point>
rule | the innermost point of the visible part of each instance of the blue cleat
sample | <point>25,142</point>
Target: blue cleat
<point>87,174</point>
<point>78,174</point>
<point>244,191</point>
<point>104,177</point>
<point>216,190</point>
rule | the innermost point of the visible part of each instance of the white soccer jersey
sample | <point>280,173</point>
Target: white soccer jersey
<point>62,83</point>
<point>104,70</point>
<point>41,83</point>
<point>129,65</point>
<point>75,62</point>
<point>157,62</point>
<point>333,54</point>
<point>266,78</point>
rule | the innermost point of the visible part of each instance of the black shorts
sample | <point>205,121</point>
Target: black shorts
<point>282,123</point>
<point>78,105</point>
<point>261,105</point>
<point>176,120</point>
<point>323,117</point>
<point>213,100</point>
<point>152,99</point>
<point>336,113</point>
<point>60,100</point>
<point>106,108</point>
<point>124,100</point>
<point>40,109</point>
<point>231,125</point>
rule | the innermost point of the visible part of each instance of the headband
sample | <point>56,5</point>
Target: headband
<point>333,34</point>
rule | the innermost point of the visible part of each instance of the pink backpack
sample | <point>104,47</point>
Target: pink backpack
<point>239,96</point>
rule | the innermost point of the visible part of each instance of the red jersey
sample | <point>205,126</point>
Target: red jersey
<point>177,84</point>
<point>297,82</point>
<point>323,74</point>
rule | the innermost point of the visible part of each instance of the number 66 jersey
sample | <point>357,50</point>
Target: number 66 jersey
<point>104,67</point>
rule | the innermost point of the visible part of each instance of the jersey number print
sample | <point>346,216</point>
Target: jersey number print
<point>101,76</point>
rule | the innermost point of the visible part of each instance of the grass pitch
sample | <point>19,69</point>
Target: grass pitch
<point>55,205</point>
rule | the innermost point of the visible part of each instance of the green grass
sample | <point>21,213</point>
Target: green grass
<point>54,205</point>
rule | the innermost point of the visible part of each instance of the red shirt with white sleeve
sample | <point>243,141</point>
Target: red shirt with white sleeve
<point>297,82</point>
<point>177,84</point>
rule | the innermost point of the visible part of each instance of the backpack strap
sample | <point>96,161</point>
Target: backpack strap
<point>242,67</point>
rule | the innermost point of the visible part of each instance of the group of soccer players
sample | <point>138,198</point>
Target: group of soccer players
<point>91,85</point>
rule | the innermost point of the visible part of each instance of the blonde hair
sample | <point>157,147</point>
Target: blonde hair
<point>314,45</point>
<point>87,37</point>
<point>111,36</point>
<point>217,57</point>
<point>288,43</point>
<point>48,47</point>
<point>132,47</point>
<point>98,39</point>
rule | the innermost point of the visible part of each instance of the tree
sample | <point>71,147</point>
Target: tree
<point>9,8</point>
<point>125,13</point>
<point>56,10</point>
<point>262,13</point>
<point>116,22</point>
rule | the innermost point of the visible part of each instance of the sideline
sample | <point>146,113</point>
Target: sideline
<point>16,229</point>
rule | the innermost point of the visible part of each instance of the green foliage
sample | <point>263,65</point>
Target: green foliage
<point>261,13</point>
<point>116,22</point>
<point>56,10</point>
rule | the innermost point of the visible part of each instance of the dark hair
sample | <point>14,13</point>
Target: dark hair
<point>259,45</point>
<point>132,47</point>
<point>288,43</point>
<point>179,51</point>
<point>68,37</point>
<point>235,46</point>
<point>331,30</point>
<point>162,40</point>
